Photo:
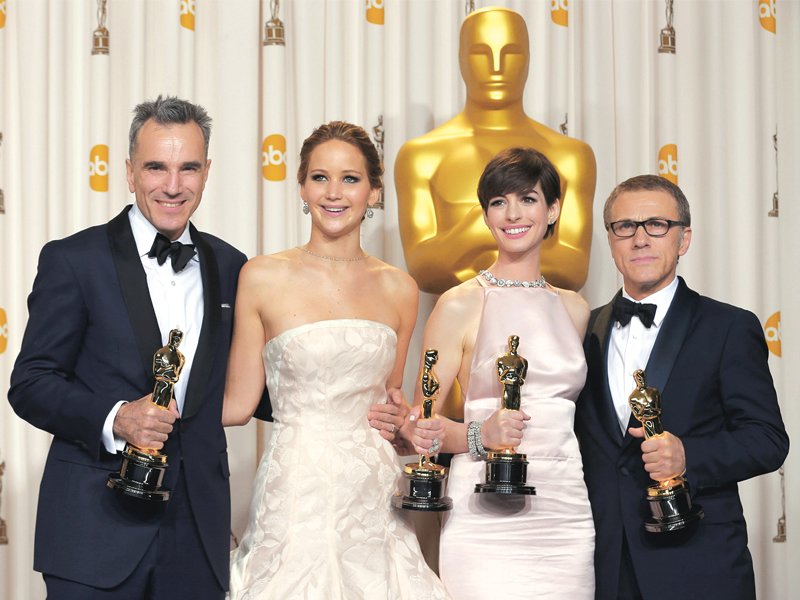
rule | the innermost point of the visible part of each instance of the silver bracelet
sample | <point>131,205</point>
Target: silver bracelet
<point>474,442</point>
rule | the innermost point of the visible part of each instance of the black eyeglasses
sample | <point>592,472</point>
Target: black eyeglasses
<point>652,227</point>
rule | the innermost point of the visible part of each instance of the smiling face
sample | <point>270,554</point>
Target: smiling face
<point>647,263</point>
<point>167,174</point>
<point>337,188</point>
<point>493,56</point>
<point>518,222</point>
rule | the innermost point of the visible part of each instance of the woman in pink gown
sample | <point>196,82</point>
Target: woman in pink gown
<point>513,546</point>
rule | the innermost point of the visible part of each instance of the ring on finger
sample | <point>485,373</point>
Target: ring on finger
<point>435,446</point>
<point>393,429</point>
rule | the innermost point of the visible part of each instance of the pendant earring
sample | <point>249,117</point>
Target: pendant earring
<point>306,210</point>
<point>370,212</point>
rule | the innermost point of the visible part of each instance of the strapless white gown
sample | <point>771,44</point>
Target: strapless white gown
<point>321,523</point>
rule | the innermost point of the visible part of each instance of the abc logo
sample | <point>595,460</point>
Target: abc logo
<point>187,14</point>
<point>668,162</point>
<point>559,12</point>
<point>3,331</point>
<point>2,13</point>
<point>98,168</point>
<point>766,14</point>
<point>772,331</point>
<point>273,157</point>
<point>375,12</point>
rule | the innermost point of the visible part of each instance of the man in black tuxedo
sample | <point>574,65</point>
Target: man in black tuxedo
<point>103,301</point>
<point>720,411</point>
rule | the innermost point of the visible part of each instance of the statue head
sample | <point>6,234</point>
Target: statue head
<point>175,337</point>
<point>431,356</point>
<point>494,54</point>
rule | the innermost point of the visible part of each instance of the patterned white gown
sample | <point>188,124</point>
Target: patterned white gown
<point>321,523</point>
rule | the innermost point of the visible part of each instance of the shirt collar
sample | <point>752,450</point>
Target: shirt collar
<point>144,233</point>
<point>662,299</point>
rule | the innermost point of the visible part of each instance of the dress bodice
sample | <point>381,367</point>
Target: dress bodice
<point>549,342</point>
<point>329,372</point>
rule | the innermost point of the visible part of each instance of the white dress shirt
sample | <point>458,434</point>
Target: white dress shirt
<point>177,299</point>
<point>630,347</point>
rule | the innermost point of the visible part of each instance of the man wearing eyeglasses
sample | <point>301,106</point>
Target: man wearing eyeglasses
<point>721,419</point>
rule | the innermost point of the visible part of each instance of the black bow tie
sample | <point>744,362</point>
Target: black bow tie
<point>624,309</point>
<point>180,254</point>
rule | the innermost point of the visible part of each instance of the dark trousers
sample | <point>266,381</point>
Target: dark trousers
<point>628,586</point>
<point>174,566</point>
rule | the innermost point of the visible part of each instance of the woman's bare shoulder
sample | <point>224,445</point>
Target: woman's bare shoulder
<point>577,307</point>
<point>266,268</point>
<point>465,298</point>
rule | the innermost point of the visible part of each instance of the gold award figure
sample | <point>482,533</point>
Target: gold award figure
<point>424,480</point>
<point>168,363</point>
<point>506,470</point>
<point>511,372</point>
<point>670,502</point>
<point>444,238</point>
<point>143,469</point>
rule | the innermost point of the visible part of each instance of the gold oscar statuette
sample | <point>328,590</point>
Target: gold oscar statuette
<point>670,502</point>
<point>142,471</point>
<point>424,480</point>
<point>506,470</point>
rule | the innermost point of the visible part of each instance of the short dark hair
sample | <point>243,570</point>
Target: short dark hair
<point>168,110</point>
<point>351,134</point>
<point>517,171</point>
<point>651,183</point>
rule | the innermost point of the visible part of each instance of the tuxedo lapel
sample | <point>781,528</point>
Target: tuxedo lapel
<point>133,283</point>
<point>606,415</point>
<point>670,338</point>
<point>206,345</point>
<point>673,332</point>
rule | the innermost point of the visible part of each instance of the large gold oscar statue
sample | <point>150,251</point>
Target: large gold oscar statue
<point>441,223</point>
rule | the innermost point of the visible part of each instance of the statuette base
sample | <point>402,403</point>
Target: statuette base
<point>506,473</point>
<point>671,508</point>
<point>423,489</point>
<point>141,475</point>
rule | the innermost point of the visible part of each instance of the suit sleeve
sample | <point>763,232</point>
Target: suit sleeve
<point>44,390</point>
<point>753,440</point>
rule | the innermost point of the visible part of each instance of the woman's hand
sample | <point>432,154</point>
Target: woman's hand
<point>503,429</point>
<point>389,417</point>
<point>428,435</point>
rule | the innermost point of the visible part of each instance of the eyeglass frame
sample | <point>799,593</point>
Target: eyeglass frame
<point>670,224</point>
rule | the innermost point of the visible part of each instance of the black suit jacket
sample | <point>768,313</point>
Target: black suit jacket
<point>89,343</point>
<point>710,363</point>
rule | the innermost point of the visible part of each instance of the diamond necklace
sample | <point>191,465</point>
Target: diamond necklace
<point>333,258</point>
<point>492,280</point>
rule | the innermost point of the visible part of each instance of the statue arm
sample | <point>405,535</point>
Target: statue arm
<point>425,242</point>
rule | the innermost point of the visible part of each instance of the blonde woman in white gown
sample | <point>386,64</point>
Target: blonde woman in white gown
<point>328,327</point>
